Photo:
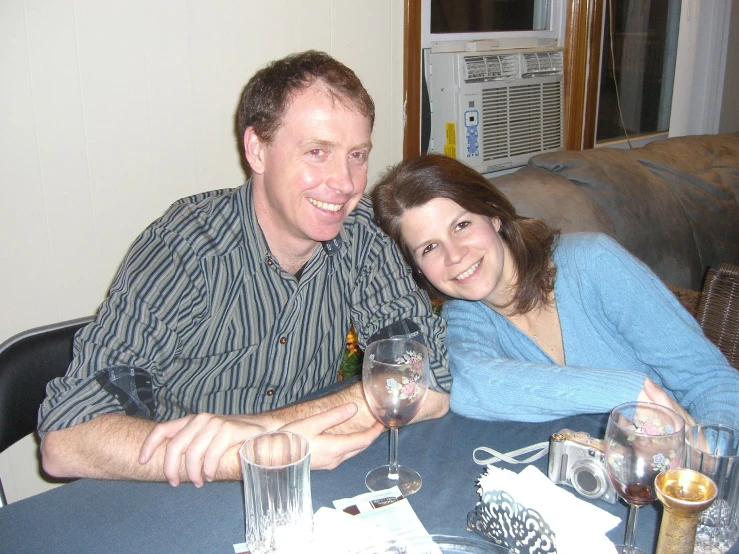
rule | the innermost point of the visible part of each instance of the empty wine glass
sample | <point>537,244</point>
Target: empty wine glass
<point>642,440</point>
<point>395,376</point>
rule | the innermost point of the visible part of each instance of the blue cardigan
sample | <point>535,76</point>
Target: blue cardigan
<point>619,324</point>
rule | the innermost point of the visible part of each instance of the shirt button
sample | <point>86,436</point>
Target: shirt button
<point>283,340</point>
<point>270,392</point>
<point>269,261</point>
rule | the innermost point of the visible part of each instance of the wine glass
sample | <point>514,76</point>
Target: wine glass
<point>395,377</point>
<point>642,440</point>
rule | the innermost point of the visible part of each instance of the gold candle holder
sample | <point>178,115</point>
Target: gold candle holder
<point>685,494</point>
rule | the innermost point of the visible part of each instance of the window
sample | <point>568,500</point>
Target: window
<point>489,16</point>
<point>467,20</point>
<point>637,68</point>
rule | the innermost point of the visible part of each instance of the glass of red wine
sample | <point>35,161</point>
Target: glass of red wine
<point>642,439</point>
<point>395,377</point>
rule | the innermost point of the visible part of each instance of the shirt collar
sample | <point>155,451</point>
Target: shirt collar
<point>257,250</point>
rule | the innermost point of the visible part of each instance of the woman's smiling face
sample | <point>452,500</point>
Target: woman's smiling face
<point>459,252</point>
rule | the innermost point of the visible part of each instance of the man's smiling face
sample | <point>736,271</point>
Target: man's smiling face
<point>314,172</point>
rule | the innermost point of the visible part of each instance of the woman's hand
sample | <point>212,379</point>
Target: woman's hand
<point>651,392</point>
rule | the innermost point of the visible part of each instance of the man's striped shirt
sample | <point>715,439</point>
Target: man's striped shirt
<point>201,318</point>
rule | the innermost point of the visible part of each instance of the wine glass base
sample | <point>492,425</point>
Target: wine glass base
<point>621,549</point>
<point>408,481</point>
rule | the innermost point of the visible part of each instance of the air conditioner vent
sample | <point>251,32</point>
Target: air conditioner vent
<point>487,115</point>
<point>490,67</point>
<point>521,119</point>
<point>542,63</point>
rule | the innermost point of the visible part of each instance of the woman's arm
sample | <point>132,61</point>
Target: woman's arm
<point>488,385</point>
<point>663,335</point>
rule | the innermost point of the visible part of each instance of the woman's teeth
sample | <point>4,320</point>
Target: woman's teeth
<point>469,272</point>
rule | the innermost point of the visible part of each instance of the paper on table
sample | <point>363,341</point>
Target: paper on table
<point>336,532</point>
<point>390,512</point>
<point>579,526</point>
<point>364,521</point>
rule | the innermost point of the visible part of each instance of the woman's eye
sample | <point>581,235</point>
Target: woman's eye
<point>462,225</point>
<point>428,249</point>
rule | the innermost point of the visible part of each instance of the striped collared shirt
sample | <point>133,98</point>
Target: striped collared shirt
<point>201,318</point>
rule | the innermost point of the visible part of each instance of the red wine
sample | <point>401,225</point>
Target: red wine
<point>639,495</point>
<point>398,416</point>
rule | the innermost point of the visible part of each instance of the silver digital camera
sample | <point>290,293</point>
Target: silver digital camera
<point>576,459</point>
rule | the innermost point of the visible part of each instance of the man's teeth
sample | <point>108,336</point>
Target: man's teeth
<point>325,205</point>
<point>469,272</point>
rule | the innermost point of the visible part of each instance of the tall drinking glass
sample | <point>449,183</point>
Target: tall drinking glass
<point>395,376</point>
<point>277,499</point>
<point>713,450</point>
<point>642,439</point>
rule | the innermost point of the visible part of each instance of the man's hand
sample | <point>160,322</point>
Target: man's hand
<point>655,394</point>
<point>328,450</point>
<point>204,439</point>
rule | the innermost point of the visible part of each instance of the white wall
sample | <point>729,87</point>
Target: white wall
<point>112,110</point>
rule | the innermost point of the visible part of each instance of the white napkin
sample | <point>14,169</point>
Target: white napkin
<point>579,526</point>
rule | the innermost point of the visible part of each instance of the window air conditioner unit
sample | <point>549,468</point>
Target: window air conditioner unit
<point>495,109</point>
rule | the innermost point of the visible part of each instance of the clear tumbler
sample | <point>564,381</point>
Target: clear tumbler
<point>713,450</point>
<point>277,497</point>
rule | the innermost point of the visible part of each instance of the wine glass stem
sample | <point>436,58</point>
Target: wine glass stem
<point>393,463</point>
<point>630,540</point>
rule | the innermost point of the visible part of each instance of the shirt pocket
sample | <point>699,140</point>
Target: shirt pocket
<point>193,379</point>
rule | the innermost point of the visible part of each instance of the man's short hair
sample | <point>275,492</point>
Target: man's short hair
<point>267,94</point>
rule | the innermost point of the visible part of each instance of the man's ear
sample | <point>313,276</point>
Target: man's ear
<point>254,150</point>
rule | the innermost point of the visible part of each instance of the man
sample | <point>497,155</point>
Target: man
<point>237,303</point>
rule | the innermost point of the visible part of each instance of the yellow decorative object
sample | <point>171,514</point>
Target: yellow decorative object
<point>351,362</point>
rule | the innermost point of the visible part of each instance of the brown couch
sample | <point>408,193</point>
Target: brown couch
<point>673,203</point>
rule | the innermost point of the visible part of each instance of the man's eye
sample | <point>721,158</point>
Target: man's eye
<point>361,156</point>
<point>316,152</point>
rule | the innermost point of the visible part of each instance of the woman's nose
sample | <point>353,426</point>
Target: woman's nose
<point>455,253</point>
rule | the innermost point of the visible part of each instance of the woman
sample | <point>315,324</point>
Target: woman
<point>546,326</point>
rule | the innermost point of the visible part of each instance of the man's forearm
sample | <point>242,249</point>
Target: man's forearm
<point>108,447</point>
<point>435,405</point>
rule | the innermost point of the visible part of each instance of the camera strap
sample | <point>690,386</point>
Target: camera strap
<point>539,449</point>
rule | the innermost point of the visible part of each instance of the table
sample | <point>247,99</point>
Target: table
<point>108,516</point>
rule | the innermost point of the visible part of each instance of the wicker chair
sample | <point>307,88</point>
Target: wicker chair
<point>718,311</point>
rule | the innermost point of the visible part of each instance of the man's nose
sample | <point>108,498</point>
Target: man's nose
<point>341,177</point>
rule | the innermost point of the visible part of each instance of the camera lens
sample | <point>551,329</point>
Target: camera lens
<point>589,480</point>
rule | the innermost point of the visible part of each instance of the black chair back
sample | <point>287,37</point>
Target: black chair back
<point>28,361</point>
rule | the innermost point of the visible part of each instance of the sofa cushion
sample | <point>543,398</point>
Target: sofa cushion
<point>703,173</point>
<point>642,213</point>
<point>545,195</point>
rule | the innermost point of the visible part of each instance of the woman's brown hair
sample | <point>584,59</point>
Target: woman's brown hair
<point>413,183</point>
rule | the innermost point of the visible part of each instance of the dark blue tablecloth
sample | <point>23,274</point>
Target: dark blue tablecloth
<point>108,516</point>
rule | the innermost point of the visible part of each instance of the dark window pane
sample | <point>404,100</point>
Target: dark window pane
<point>474,16</point>
<point>644,50</point>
